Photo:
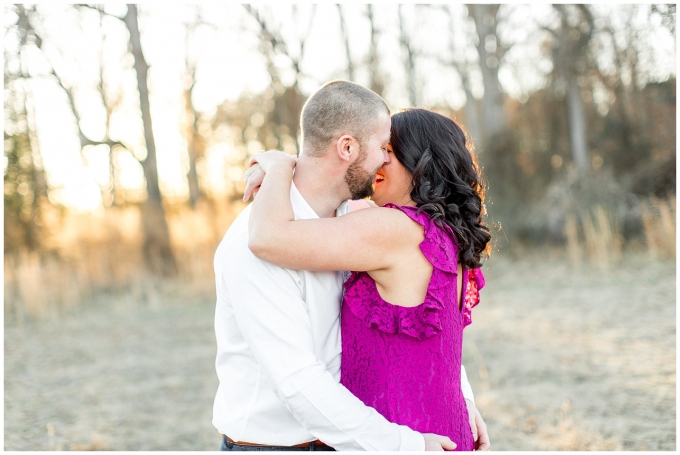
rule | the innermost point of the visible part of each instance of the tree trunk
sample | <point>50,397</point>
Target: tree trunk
<point>193,143</point>
<point>192,176</point>
<point>625,112</point>
<point>26,143</point>
<point>462,66</point>
<point>564,57</point>
<point>410,60</point>
<point>287,104</point>
<point>287,109</point>
<point>495,119</point>
<point>376,83</point>
<point>157,249</point>
<point>471,111</point>
<point>345,37</point>
<point>577,125</point>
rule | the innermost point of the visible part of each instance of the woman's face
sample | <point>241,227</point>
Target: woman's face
<point>393,183</point>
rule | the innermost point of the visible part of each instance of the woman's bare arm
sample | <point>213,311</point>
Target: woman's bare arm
<point>370,239</point>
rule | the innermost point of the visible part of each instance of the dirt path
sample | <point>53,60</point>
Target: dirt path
<point>559,359</point>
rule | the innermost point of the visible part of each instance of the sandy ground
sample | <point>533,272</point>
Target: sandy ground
<point>559,359</point>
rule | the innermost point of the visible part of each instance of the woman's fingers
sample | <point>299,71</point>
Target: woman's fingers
<point>259,164</point>
<point>266,159</point>
<point>253,160</point>
<point>253,178</point>
<point>253,168</point>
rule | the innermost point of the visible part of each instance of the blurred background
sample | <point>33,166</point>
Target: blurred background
<point>127,130</point>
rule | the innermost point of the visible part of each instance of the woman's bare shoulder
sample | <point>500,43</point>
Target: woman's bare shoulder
<point>393,224</point>
<point>360,204</point>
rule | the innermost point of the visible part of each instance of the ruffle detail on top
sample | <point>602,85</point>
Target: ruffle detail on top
<point>438,245</point>
<point>422,321</point>
<point>475,282</point>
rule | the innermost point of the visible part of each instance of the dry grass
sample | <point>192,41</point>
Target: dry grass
<point>594,236</point>
<point>42,287</point>
<point>559,359</point>
<point>574,249</point>
<point>564,358</point>
<point>101,253</point>
<point>658,218</point>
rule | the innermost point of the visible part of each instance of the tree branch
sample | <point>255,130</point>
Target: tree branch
<point>100,10</point>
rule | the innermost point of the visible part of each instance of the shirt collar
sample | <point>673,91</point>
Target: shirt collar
<point>303,211</point>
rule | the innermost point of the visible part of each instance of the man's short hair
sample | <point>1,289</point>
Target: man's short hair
<point>338,108</point>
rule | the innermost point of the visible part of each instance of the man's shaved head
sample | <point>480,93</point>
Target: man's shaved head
<point>338,108</point>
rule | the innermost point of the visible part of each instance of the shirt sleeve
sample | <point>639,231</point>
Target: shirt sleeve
<point>465,385</point>
<point>274,322</point>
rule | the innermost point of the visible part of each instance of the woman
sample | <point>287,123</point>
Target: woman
<point>415,263</point>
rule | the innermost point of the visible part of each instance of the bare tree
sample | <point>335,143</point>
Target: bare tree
<point>195,151</point>
<point>270,119</point>
<point>463,67</point>
<point>25,182</point>
<point>628,43</point>
<point>289,100</point>
<point>157,249</point>
<point>568,59</point>
<point>69,90</point>
<point>377,82</point>
<point>613,81</point>
<point>195,146</point>
<point>195,141</point>
<point>345,38</point>
<point>490,51</point>
<point>667,13</point>
<point>26,27</point>
<point>110,102</point>
<point>457,59</point>
<point>409,55</point>
<point>273,44</point>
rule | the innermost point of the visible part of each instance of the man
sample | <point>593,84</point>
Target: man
<point>278,331</point>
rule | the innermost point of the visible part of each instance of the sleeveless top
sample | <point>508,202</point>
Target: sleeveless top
<point>406,362</point>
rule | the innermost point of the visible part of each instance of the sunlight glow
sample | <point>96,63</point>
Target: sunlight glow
<point>229,63</point>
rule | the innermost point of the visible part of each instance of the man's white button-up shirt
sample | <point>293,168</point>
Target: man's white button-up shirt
<point>278,354</point>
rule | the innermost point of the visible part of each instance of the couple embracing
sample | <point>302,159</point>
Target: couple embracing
<point>314,358</point>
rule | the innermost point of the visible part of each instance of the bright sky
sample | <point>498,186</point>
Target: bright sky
<point>229,63</point>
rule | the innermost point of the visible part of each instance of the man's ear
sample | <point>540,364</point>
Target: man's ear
<point>347,148</point>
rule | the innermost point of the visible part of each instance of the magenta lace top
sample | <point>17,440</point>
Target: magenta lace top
<point>405,362</point>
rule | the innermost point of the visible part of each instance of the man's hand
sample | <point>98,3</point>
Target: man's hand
<point>436,443</point>
<point>479,431</point>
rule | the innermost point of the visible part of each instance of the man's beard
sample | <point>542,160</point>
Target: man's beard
<point>359,181</point>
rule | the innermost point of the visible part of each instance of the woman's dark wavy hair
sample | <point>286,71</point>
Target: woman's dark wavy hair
<point>446,178</point>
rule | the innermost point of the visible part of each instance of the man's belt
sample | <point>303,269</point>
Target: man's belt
<point>316,443</point>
